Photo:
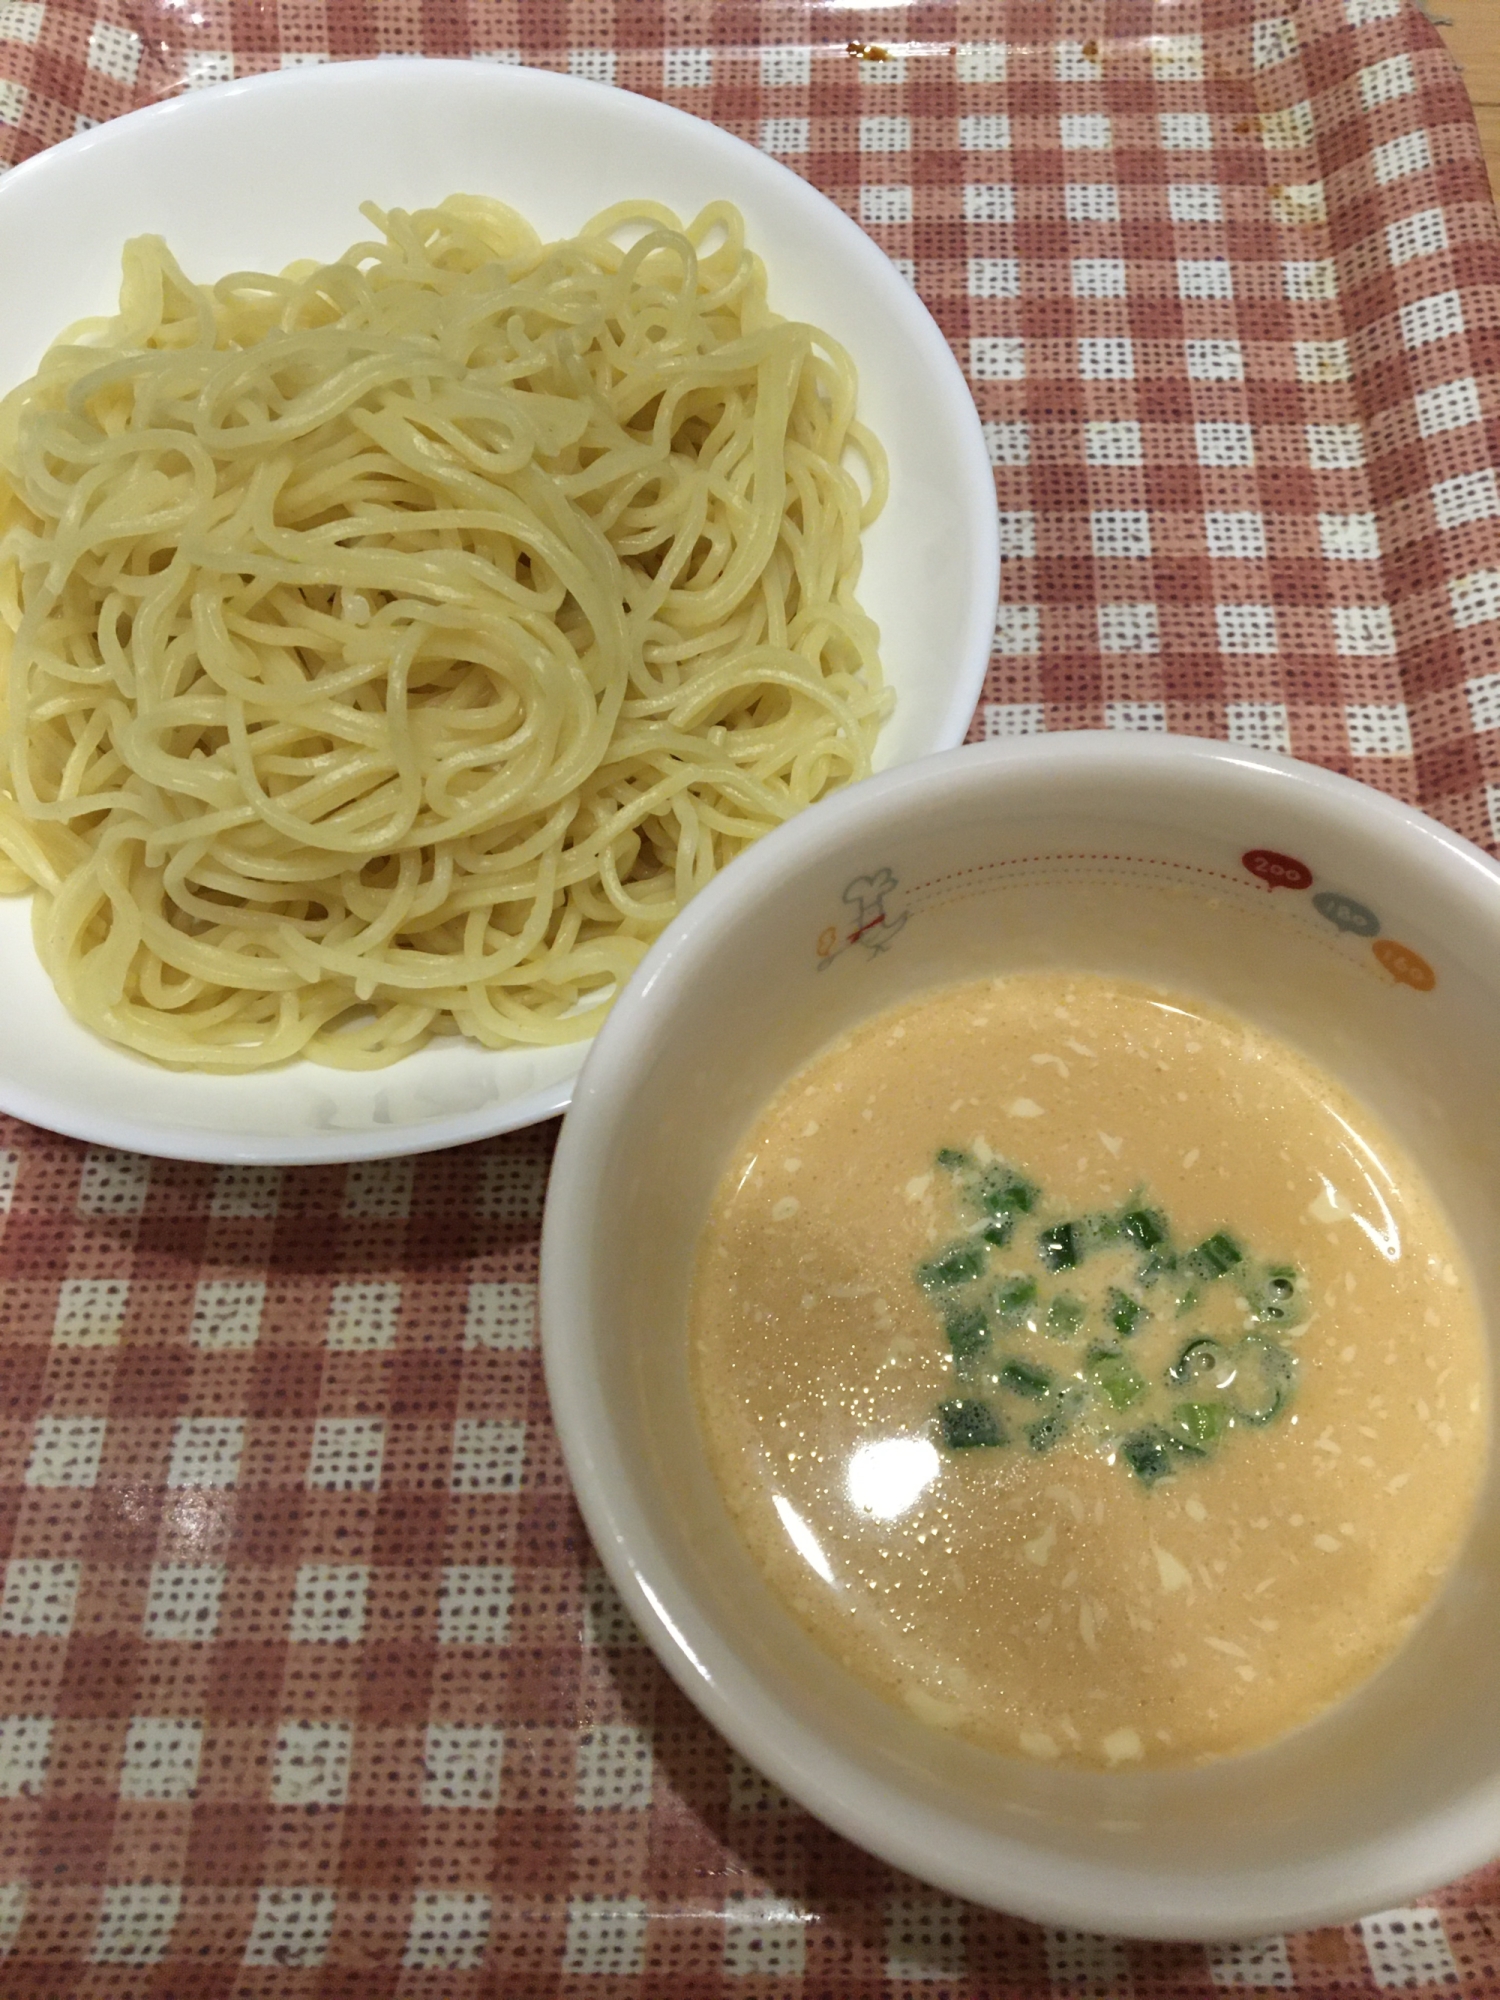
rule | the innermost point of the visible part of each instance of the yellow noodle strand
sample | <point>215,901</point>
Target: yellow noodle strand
<point>393,646</point>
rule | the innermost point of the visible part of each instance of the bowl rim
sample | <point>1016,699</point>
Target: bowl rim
<point>73,162</point>
<point>998,1870</point>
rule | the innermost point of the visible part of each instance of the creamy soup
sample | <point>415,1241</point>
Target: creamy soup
<point>1088,1372</point>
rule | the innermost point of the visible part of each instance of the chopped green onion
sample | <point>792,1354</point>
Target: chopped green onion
<point>954,1266</point>
<point>1026,1379</point>
<point>1144,1227</point>
<point>1200,1361</point>
<point>1046,1431</point>
<point>1110,1371</point>
<point>1000,1190</point>
<point>1264,1380</point>
<point>1153,1453</point>
<point>1012,1296</point>
<point>1149,1456</point>
<point>967,1424</point>
<point>1215,1255</point>
<point>1057,1247</point>
<point>1223,1382</point>
<point>1092,1231</point>
<point>1124,1313</point>
<point>1064,1316</point>
<point>1155,1264</point>
<point>968,1330</point>
<point>1201,1424</point>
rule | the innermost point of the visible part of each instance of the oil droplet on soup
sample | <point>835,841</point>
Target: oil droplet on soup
<point>1110,1389</point>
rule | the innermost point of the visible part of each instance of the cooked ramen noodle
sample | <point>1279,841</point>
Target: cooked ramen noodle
<point>396,644</point>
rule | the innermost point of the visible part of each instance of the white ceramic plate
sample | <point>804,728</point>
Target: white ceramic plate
<point>257,173</point>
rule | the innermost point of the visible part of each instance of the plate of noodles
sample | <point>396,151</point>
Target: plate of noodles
<point>447,512</point>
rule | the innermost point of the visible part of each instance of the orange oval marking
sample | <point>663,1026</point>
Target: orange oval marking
<point>1402,963</point>
<point>826,941</point>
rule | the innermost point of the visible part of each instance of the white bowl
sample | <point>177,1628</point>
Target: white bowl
<point>1124,855</point>
<point>258,173</point>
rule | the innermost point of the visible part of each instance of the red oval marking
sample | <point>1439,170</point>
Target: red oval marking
<point>1277,871</point>
<point>1402,963</point>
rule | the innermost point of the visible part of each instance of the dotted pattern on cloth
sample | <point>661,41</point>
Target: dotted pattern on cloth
<point>309,1681</point>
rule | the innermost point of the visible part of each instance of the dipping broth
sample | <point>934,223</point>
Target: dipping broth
<point>1088,1372</point>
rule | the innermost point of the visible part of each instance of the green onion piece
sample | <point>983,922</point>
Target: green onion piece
<point>1000,1190</point>
<point>1124,1313</point>
<point>1057,1247</point>
<point>1064,1316</point>
<point>1215,1255</point>
<point>1110,1371</point>
<point>1201,1424</point>
<point>954,1266</point>
<point>1202,1360</point>
<point>1144,1227</point>
<point>1026,1379</point>
<point>1012,1296</point>
<point>952,1160</point>
<point>1264,1380</point>
<point>1046,1431</point>
<point>1092,1232</point>
<point>1149,1455</point>
<point>968,1330</point>
<point>1154,1454</point>
<point>1186,1300</point>
<point>999,1230</point>
<point>967,1424</point>
<point>1024,1195</point>
<point>1155,1264</point>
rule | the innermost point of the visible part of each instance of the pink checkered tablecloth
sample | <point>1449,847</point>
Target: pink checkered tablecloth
<point>310,1683</point>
